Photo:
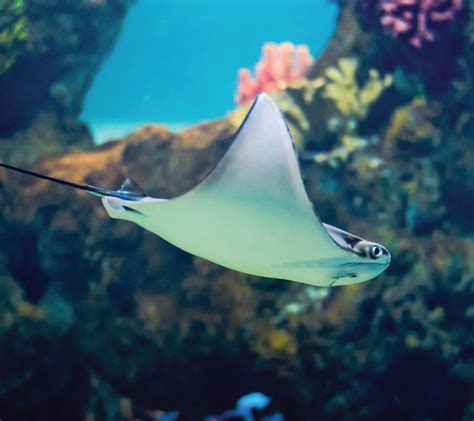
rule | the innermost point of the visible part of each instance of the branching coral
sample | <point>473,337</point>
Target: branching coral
<point>351,99</point>
<point>349,144</point>
<point>413,124</point>
<point>353,102</point>
<point>417,20</point>
<point>279,67</point>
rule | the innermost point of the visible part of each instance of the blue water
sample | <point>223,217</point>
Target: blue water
<point>176,61</point>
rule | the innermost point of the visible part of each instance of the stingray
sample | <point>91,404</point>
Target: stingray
<point>251,213</point>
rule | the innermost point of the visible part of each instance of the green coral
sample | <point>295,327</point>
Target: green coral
<point>13,32</point>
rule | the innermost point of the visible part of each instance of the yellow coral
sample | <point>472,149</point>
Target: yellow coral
<point>308,87</point>
<point>349,145</point>
<point>275,343</point>
<point>280,341</point>
<point>351,99</point>
<point>412,341</point>
<point>412,122</point>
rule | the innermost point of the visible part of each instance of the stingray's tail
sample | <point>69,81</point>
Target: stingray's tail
<point>129,190</point>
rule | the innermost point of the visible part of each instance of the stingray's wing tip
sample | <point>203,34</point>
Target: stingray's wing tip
<point>264,106</point>
<point>264,98</point>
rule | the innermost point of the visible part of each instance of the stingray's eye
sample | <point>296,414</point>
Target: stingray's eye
<point>375,252</point>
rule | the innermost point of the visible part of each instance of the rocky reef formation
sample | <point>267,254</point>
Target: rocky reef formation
<point>102,320</point>
<point>49,52</point>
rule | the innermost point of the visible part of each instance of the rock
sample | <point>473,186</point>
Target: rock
<point>51,63</point>
<point>48,135</point>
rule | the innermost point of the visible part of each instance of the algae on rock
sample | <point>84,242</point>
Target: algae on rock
<point>13,32</point>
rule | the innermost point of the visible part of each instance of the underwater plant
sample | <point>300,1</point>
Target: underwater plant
<point>417,20</point>
<point>280,66</point>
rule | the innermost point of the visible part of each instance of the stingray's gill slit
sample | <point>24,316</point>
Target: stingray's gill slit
<point>251,213</point>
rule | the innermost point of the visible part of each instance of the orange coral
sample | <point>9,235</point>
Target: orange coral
<point>279,66</point>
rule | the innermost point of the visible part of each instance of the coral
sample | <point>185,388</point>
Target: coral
<point>279,67</point>
<point>417,20</point>
<point>349,144</point>
<point>353,102</point>
<point>351,99</point>
<point>413,126</point>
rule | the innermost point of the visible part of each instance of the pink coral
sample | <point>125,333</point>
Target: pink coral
<point>279,66</point>
<point>417,18</point>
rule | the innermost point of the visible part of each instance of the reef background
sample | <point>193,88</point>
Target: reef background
<point>100,320</point>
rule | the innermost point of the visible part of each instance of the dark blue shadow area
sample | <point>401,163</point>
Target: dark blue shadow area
<point>177,60</point>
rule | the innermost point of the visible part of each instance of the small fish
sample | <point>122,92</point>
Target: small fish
<point>252,213</point>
